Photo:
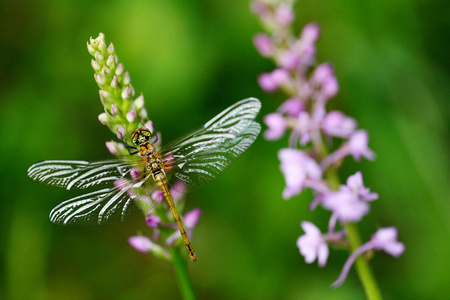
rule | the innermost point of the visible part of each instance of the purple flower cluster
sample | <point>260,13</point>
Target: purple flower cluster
<point>313,134</point>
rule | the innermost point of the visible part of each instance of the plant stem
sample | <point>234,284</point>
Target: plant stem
<point>184,281</point>
<point>365,274</point>
<point>362,267</point>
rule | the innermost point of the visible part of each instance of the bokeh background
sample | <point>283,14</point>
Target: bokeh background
<point>191,59</point>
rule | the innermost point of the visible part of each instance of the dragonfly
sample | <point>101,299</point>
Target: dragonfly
<point>120,189</point>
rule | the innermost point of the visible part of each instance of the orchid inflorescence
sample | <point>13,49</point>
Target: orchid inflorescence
<point>124,112</point>
<point>311,160</point>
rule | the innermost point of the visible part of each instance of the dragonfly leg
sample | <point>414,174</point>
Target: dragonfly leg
<point>128,146</point>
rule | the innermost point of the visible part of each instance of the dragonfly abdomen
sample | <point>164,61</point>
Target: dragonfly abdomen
<point>161,181</point>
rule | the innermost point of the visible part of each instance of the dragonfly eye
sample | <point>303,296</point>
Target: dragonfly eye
<point>140,136</point>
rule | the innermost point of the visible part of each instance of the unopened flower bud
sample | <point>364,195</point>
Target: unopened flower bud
<point>103,118</point>
<point>95,65</point>
<point>106,71</point>
<point>126,93</point>
<point>191,218</point>
<point>264,45</point>
<point>90,49</point>
<point>266,82</point>
<point>310,33</point>
<point>126,78</point>
<point>115,82</point>
<point>121,133</point>
<point>284,15</point>
<point>153,221</point>
<point>99,79</point>
<point>105,96</point>
<point>110,62</point>
<point>139,102</point>
<point>289,60</point>
<point>102,46</point>
<point>99,57</point>
<point>101,37</point>
<point>110,48</point>
<point>143,113</point>
<point>119,69</point>
<point>158,196</point>
<point>132,92</point>
<point>276,126</point>
<point>135,174</point>
<point>149,126</point>
<point>114,109</point>
<point>131,116</point>
<point>111,146</point>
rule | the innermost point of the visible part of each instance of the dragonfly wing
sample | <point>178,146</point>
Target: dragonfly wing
<point>71,174</point>
<point>202,155</point>
<point>109,205</point>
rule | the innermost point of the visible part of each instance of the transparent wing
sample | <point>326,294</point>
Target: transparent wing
<point>202,155</point>
<point>71,174</point>
<point>122,202</point>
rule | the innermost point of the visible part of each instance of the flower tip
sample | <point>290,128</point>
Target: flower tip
<point>276,126</point>
<point>103,118</point>
<point>131,116</point>
<point>110,61</point>
<point>266,83</point>
<point>292,107</point>
<point>111,146</point>
<point>284,15</point>
<point>91,49</point>
<point>111,48</point>
<point>264,44</point>
<point>191,218</point>
<point>141,243</point>
<point>139,102</point>
<point>335,123</point>
<point>95,65</point>
<point>126,94</point>
<point>311,32</point>
<point>106,72</point>
<point>120,132</point>
<point>104,95</point>
<point>99,79</point>
<point>126,78</point>
<point>102,46</point>
<point>386,239</point>
<point>143,113</point>
<point>115,82</point>
<point>289,60</point>
<point>153,221</point>
<point>149,126</point>
<point>158,196</point>
<point>101,37</point>
<point>259,8</point>
<point>119,69</point>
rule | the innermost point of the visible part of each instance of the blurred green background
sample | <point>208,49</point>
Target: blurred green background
<point>191,59</point>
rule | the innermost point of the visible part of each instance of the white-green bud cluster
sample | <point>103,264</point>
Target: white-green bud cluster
<point>123,112</point>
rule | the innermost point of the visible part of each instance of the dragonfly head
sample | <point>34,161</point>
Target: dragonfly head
<point>140,136</point>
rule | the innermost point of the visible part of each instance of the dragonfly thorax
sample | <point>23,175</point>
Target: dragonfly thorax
<point>146,149</point>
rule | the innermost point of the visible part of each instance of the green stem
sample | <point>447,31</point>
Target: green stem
<point>365,274</point>
<point>184,281</point>
<point>362,267</point>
